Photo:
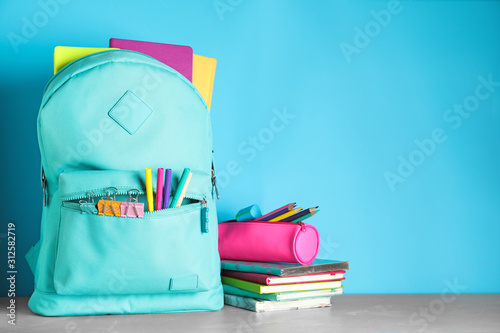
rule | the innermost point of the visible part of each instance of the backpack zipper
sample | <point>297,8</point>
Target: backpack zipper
<point>44,188</point>
<point>99,195</point>
<point>214,182</point>
<point>204,207</point>
<point>204,216</point>
<point>77,206</point>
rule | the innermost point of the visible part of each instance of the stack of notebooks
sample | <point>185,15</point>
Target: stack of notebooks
<point>267,286</point>
<point>198,69</point>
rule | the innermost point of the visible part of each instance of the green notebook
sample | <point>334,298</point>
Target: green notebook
<point>263,289</point>
<point>284,296</point>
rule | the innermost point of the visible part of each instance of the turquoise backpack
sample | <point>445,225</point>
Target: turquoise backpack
<point>104,118</point>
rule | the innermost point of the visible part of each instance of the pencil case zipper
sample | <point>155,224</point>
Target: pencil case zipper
<point>302,224</point>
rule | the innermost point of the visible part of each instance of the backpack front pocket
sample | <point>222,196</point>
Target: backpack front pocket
<point>158,253</point>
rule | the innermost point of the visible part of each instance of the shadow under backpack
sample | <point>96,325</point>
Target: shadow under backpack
<point>103,119</point>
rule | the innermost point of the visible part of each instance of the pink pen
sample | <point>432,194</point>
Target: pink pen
<point>159,188</point>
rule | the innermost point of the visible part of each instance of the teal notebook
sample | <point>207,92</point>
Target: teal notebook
<point>284,269</point>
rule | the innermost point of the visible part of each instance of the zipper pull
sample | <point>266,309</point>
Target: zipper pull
<point>44,188</point>
<point>214,183</point>
<point>204,217</point>
<point>302,226</point>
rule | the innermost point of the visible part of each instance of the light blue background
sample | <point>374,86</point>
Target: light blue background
<point>350,120</point>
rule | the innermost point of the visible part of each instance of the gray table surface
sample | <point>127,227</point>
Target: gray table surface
<point>471,313</point>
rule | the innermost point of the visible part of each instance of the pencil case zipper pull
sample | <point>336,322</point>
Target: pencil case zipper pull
<point>302,226</point>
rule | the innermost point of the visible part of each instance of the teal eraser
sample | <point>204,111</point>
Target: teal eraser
<point>248,213</point>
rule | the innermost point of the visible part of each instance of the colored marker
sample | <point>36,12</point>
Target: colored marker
<point>159,188</point>
<point>166,188</point>
<point>290,213</point>
<point>149,190</point>
<point>181,189</point>
<point>299,214</point>
<point>276,212</point>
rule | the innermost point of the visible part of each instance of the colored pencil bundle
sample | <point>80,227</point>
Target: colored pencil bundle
<point>289,213</point>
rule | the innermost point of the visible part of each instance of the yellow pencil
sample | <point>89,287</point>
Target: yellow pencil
<point>282,216</point>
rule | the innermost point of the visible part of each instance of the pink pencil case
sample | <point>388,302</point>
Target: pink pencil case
<point>268,241</point>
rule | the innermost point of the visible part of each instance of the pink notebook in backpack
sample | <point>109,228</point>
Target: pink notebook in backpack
<point>179,57</point>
